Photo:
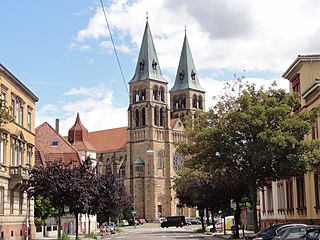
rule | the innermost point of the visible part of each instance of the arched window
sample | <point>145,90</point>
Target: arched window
<point>155,116</point>
<point>161,117</point>
<point>137,118</point>
<point>155,93</point>
<point>143,94</point>
<point>175,103</point>
<point>136,96</point>
<point>143,116</point>
<point>141,65</point>
<point>161,93</point>
<point>194,101</point>
<point>200,103</point>
<point>183,102</point>
<point>159,161</point>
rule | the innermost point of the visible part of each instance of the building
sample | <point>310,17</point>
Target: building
<point>17,147</point>
<point>51,146</point>
<point>143,154</point>
<point>297,199</point>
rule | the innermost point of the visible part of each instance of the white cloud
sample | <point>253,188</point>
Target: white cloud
<point>97,110</point>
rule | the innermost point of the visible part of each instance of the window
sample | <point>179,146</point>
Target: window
<point>155,93</point>
<point>30,153</point>
<point>13,108</point>
<point>29,119</point>
<point>289,194</point>
<point>122,172</point>
<point>11,201</point>
<point>200,103</point>
<point>3,144</point>
<point>54,143</point>
<point>314,131</point>
<point>161,94</point>
<point>20,202</point>
<point>194,101</point>
<point>137,118</point>
<point>281,199</point>
<point>300,193</point>
<point>1,200</point>
<point>17,152</point>
<point>159,161</point>
<point>269,199</point>
<point>193,75</point>
<point>143,95</point>
<point>143,116</point>
<point>161,117</point>
<point>139,168</point>
<point>155,116</point>
<point>3,96</point>
<point>317,188</point>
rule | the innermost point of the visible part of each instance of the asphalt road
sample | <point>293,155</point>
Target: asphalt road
<point>153,231</point>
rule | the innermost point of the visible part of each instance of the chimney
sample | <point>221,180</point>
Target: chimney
<point>57,125</point>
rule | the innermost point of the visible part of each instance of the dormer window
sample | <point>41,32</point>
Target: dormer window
<point>193,75</point>
<point>154,65</point>
<point>141,65</point>
<point>181,75</point>
<point>54,143</point>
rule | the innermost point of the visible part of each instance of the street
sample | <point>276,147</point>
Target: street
<point>155,232</point>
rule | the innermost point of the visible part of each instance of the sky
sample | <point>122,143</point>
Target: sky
<point>62,50</point>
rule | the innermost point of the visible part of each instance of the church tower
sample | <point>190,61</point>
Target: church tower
<point>148,135</point>
<point>186,96</point>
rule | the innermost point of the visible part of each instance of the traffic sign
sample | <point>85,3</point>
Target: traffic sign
<point>134,211</point>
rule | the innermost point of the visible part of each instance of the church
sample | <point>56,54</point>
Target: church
<point>143,154</point>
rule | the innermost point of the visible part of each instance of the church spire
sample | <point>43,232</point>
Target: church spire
<point>186,77</point>
<point>147,65</point>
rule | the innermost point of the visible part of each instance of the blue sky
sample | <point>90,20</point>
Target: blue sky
<point>61,50</point>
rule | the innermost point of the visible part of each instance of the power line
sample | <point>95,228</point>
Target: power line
<point>114,47</point>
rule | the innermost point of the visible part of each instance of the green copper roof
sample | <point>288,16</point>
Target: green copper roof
<point>186,77</point>
<point>147,65</point>
<point>138,161</point>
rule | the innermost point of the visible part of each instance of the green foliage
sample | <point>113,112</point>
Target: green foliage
<point>43,209</point>
<point>255,132</point>
<point>5,113</point>
<point>64,236</point>
<point>92,235</point>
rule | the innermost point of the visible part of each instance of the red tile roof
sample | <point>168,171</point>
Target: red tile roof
<point>45,134</point>
<point>109,140</point>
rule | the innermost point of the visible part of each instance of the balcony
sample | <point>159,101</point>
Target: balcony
<point>19,176</point>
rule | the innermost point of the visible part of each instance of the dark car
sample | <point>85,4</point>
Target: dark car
<point>270,232</point>
<point>312,234</point>
<point>192,221</point>
<point>297,232</point>
<point>174,221</point>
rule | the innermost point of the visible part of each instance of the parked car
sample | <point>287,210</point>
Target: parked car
<point>141,221</point>
<point>175,221</point>
<point>192,221</point>
<point>125,222</point>
<point>312,234</point>
<point>270,232</point>
<point>297,232</point>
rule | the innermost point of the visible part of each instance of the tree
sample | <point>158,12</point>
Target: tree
<point>256,132</point>
<point>52,182</point>
<point>79,188</point>
<point>5,113</point>
<point>43,209</point>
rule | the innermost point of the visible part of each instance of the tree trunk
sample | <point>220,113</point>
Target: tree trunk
<point>237,219</point>
<point>213,223</point>
<point>44,228</point>
<point>77,224</point>
<point>207,216</point>
<point>59,226</point>
<point>201,212</point>
<point>253,198</point>
<point>88,223</point>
